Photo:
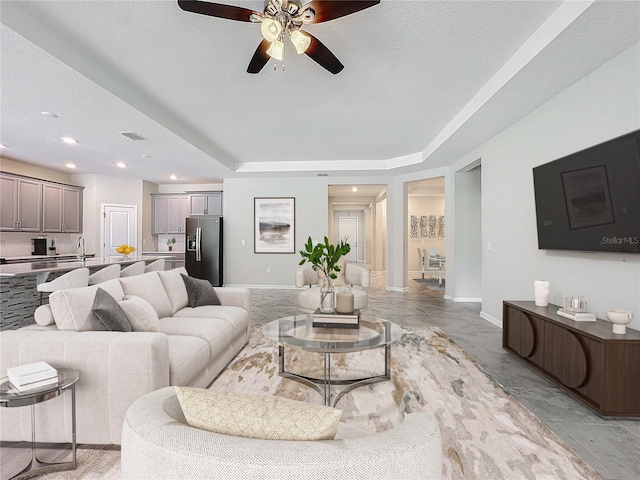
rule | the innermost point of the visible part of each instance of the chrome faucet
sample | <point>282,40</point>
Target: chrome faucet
<point>80,252</point>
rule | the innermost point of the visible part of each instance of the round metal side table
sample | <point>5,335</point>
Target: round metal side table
<point>11,397</point>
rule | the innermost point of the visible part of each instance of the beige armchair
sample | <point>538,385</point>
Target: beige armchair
<point>309,298</point>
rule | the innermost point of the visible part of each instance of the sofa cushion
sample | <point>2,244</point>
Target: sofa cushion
<point>217,333</point>
<point>200,292</point>
<point>256,416</point>
<point>72,307</point>
<point>149,287</point>
<point>141,315</point>
<point>174,286</point>
<point>188,357</point>
<point>107,314</point>
<point>237,317</point>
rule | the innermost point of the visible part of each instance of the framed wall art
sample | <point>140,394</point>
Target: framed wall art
<point>274,224</point>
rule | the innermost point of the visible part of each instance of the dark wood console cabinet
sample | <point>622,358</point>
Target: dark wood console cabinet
<point>586,359</point>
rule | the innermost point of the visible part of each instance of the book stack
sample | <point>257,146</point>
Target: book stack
<point>32,376</point>
<point>577,316</point>
<point>336,320</point>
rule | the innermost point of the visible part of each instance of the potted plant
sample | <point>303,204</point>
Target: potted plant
<point>170,243</point>
<point>324,258</point>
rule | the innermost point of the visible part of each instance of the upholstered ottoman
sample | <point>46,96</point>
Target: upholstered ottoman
<point>157,443</point>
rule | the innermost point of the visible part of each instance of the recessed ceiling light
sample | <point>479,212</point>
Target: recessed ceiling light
<point>49,114</point>
<point>2,145</point>
<point>121,165</point>
<point>69,140</point>
<point>354,189</point>
<point>146,156</point>
<point>70,165</point>
<point>173,177</point>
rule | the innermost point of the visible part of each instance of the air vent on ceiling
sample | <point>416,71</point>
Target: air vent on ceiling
<point>133,135</point>
<point>322,174</point>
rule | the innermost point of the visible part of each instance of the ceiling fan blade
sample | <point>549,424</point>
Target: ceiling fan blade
<point>260,58</point>
<point>329,9</point>
<point>217,10</point>
<point>323,56</point>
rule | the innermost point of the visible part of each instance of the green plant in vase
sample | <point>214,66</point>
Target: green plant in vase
<point>171,242</point>
<point>324,258</point>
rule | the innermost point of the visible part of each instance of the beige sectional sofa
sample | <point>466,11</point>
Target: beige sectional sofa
<point>190,348</point>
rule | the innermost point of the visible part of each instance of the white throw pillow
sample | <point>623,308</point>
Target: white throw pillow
<point>256,416</point>
<point>44,315</point>
<point>141,315</point>
<point>149,287</point>
<point>175,288</point>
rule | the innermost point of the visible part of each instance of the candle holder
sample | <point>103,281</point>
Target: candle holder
<point>575,304</point>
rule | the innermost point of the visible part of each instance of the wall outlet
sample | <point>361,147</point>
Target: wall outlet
<point>144,241</point>
<point>243,243</point>
<point>268,270</point>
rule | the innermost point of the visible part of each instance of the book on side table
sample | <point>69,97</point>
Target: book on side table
<point>32,375</point>
<point>577,316</point>
<point>336,320</point>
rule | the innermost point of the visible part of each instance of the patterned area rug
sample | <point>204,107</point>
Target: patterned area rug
<point>486,433</point>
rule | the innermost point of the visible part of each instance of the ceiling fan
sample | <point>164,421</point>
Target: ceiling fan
<point>282,18</point>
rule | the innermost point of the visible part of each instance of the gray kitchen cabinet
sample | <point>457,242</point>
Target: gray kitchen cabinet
<point>169,213</point>
<point>177,212</point>
<point>206,203</point>
<point>21,208</point>
<point>61,208</point>
<point>158,214</point>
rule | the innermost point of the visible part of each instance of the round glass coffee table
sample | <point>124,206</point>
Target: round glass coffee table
<point>11,397</point>
<point>298,332</point>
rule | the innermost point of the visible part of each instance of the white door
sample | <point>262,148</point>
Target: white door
<point>120,226</point>
<point>348,228</point>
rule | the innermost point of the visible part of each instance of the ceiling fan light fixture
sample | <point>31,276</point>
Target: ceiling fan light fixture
<point>271,29</point>
<point>276,50</point>
<point>300,40</point>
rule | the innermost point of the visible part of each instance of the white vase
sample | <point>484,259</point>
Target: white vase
<point>541,292</point>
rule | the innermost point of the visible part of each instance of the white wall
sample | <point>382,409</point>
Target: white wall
<point>468,238</point>
<point>104,189</point>
<point>244,267</point>
<point>601,106</point>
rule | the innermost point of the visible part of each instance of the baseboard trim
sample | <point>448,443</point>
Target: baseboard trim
<point>490,319</point>
<point>467,299</point>
<point>397,289</point>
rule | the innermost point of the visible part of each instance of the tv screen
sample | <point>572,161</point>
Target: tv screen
<point>590,200</point>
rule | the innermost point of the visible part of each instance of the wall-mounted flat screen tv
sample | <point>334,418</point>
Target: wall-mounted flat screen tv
<point>590,200</point>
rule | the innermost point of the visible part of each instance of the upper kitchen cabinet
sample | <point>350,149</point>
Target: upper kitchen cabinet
<point>169,213</point>
<point>62,208</point>
<point>21,207</point>
<point>206,203</point>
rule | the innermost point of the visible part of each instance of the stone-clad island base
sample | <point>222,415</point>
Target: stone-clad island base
<point>485,432</point>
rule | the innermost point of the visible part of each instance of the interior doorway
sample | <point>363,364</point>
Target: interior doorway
<point>119,227</point>
<point>364,227</point>
<point>348,229</point>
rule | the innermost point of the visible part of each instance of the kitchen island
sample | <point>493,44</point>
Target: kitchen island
<point>18,282</point>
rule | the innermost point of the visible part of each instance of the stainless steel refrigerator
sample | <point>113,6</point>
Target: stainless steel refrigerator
<point>203,256</point>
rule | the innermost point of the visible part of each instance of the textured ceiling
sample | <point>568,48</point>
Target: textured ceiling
<point>424,83</point>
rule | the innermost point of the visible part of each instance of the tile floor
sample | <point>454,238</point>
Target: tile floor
<point>611,446</point>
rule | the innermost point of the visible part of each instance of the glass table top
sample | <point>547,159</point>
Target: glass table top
<point>298,331</point>
<point>10,396</point>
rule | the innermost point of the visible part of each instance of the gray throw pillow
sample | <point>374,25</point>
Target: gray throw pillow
<point>107,314</point>
<point>200,292</point>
